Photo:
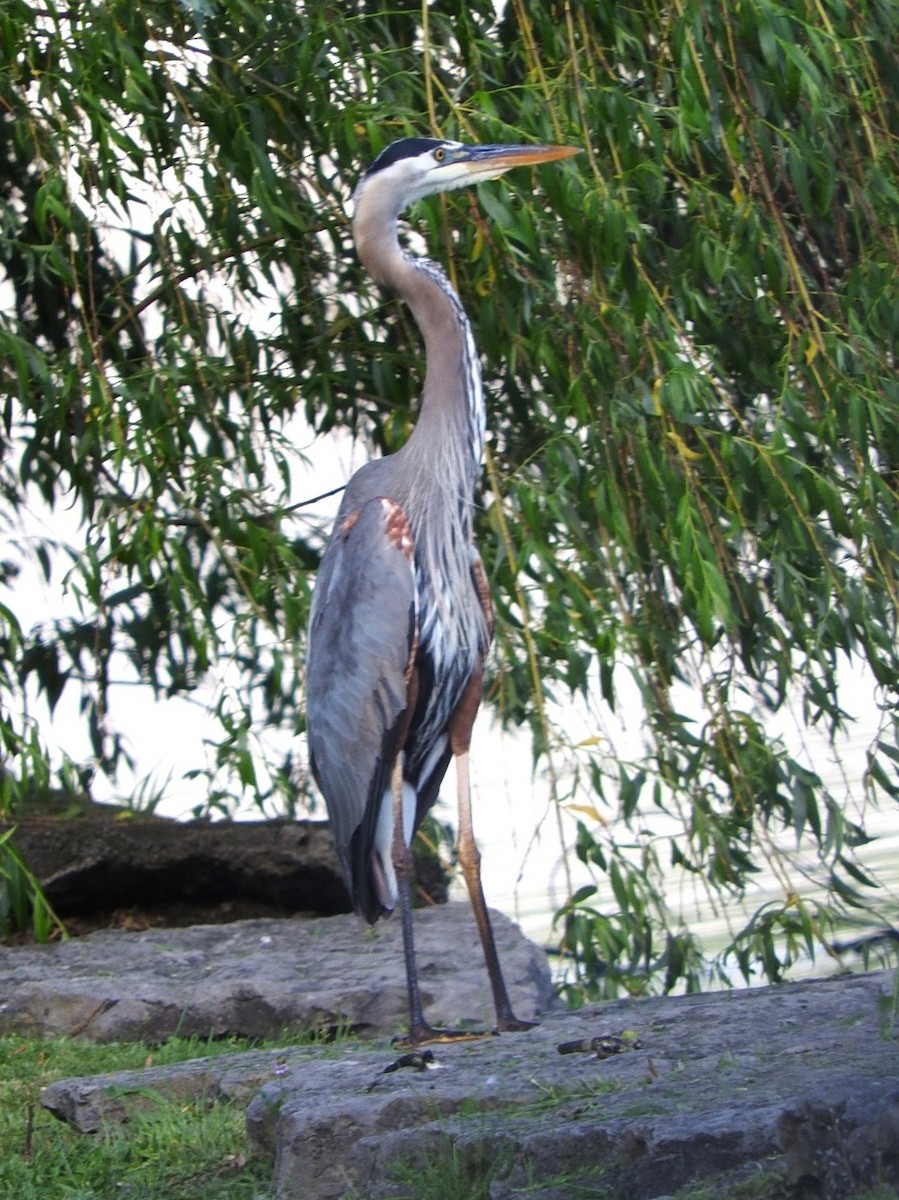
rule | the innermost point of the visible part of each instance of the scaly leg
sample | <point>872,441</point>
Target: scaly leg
<point>419,1029</point>
<point>402,864</point>
<point>470,862</point>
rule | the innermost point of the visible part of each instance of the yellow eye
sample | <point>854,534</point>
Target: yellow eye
<point>439,154</point>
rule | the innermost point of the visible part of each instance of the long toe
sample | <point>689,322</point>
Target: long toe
<point>423,1035</point>
<point>512,1024</point>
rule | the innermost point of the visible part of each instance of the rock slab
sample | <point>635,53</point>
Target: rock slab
<point>107,860</point>
<point>93,1102</point>
<point>259,978</point>
<point>693,1086</point>
<point>107,865</point>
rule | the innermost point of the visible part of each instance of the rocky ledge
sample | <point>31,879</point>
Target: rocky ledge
<point>635,1098</point>
<point>259,978</point>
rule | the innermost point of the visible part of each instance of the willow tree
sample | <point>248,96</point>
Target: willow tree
<point>690,343</point>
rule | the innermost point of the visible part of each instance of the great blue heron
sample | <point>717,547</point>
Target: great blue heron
<point>401,615</point>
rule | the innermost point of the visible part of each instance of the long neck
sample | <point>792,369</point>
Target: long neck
<point>435,473</point>
<point>447,443</point>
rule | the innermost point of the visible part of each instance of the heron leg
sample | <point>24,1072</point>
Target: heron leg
<point>419,1029</point>
<point>470,861</point>
<point>402,864</point>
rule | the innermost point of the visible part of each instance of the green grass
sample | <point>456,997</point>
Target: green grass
<point>177,1151</point>
<point>767,1183</point>
<point>450,1178</point>
<point>194,1151</point>
<point>447,1175</point>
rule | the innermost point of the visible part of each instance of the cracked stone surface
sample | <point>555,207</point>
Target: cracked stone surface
<point>258,978</point>
<point>650,1095</point>
<point>702,1085</point>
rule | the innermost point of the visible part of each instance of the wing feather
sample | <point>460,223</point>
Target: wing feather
<point>362,635</point>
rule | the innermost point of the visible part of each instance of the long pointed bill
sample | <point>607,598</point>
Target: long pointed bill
<point>487,162</point>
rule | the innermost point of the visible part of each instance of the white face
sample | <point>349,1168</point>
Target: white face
<point>392,185</point>
<point>436,170</point>
<point>450,165</point>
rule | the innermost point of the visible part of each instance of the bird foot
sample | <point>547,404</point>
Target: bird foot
<point>422,1035</point>
<point>512,1024</point>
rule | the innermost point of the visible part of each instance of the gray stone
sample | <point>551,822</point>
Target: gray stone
<point>90,1103</point>
<point>649,1096</point>
<point>712,1084</point>
<point>258,978</point>
<point>100,863</point>
<point>843,1139</point>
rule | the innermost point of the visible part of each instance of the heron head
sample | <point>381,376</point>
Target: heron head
<point>413,168</point>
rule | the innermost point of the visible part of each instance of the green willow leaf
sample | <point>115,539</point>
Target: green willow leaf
<point>689,337</point>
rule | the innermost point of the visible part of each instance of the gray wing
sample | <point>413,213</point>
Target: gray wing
<point>362,634</point>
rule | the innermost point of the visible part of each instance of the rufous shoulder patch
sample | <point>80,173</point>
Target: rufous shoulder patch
<point>397,528</point>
